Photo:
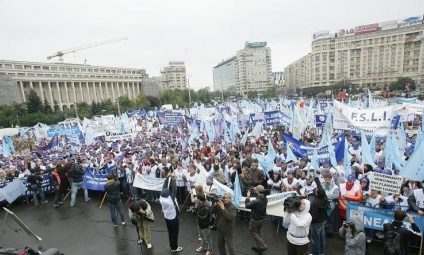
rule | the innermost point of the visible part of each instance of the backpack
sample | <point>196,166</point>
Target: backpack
<point>392,243</point>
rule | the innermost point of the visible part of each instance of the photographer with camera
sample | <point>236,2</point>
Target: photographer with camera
<point>225,215</point>
<point>76,175</point>
<point>318,212</point>
<point>298,219</point>
<point>112,189</point>
<point>141,216</point>
<point>257,217</point>
<point>353,232</point>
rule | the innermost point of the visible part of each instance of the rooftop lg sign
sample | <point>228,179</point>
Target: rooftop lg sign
<point>345,32</point>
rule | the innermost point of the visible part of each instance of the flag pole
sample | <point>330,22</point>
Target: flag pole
<point>103,200</point>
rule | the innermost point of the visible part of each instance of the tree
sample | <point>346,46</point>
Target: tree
<point>125,103</point>
<point>141,102</point>
<point>401,82</point>
<point>34,103</point>
<point>46,107</point>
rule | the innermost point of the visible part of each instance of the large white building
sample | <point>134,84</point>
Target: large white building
<point>367,55</point>
<point>224,75</point>
<point>251,66</point>
<point>63,85</point>
<point>173,76</point>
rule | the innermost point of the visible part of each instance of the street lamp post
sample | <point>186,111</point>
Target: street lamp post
<point>189,94</point>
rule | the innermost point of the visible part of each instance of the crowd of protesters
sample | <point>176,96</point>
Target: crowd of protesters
<point>325,191</point>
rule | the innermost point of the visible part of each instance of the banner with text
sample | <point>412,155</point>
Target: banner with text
<point>385,183</point>
<point>373,120</point>
<point>148,182</point>
<point>112,136</point>
<point>374,218</point>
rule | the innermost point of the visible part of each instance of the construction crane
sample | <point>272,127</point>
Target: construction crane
<point>83,47</point>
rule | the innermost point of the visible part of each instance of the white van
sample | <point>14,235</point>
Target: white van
<point>167,108</point>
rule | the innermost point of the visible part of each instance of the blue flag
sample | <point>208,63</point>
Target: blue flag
<point>237,191</point>
<point>346,159</point>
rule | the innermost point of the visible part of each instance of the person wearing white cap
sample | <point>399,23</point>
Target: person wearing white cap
<point>349,191</point>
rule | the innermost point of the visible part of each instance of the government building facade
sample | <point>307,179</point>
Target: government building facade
<point>64,85</point>
<point>370,56</point>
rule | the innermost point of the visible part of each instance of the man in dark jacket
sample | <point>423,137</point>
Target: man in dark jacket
<point>76,175</point>
<point>112,189</point>
<point>225,215</point>
<point>394,230</point>
<point>318,212</point>
<point>203,220</point>
<point>35,181</point>
<point>257,217</point>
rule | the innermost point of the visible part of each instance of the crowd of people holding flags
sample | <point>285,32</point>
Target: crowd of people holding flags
<point>354,165</point>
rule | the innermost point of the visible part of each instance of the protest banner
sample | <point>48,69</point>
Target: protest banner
<point>385,183</point>
<point>372,120</point>
<point>171,118</point>
<point>374,218</point>
<point>320,120</point>
<point>96,179</point>
<point>275,205</point>
<point>62,130</point>
<point>148,182</point>
<point>12,191</point>
<point>113,136</point>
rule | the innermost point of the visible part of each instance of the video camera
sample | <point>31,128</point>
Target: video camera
<point>349,225</point>
<point>213,197</point>
<point>291,204</point>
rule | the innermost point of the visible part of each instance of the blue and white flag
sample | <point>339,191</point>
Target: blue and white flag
<point>346,159</point>
<point>237,191</point>
<point>366,151</point>
<point>414,168</point>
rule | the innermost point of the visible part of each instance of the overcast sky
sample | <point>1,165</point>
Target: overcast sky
<point>199,32</point>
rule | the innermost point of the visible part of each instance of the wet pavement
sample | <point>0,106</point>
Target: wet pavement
<point>87,229</point>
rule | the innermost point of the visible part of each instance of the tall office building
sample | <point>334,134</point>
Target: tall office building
<point>173,76</point>
<point>224,75</point>
<point>250,69</point>
<point>367,55</point>
<point>64,84</point>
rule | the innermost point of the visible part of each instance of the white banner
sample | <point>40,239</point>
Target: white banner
<point>148,182</point>
<point>12,191</point>
<point>112,137</point>
<point>408,109</point>
<point>373,120</point>
<point>385,183</point>
<point>275,205</point>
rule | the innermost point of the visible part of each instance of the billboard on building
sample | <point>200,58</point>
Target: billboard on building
<point>365,29</point>
<point>391,24</point>
<point>415,20</point>
<point>176,63</point>
<point>345,32</point>
<point>321,34</point>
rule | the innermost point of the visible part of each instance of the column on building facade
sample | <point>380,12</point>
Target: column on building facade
<point>138,87</point>
<point>101,91</point>
<point>133,88</point>
<point>128,89</point>
<point>118,89</point>
<point>113,91</point>
<point>40,84</point>
<point>31,85</point>
<point>82,97</point>
<point>88,93</point>
<point>59,96</point>
<point>95,92</point>
<point>21,85</point>
<point>74,92</point>
<point>67,93</point>
<point>51,94</point>
<point>107,91</point>
<point>124,91</point>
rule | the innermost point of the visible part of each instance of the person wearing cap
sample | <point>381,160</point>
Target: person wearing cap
<point>396,228</point>
<point>209,187</point>
<point>349,191</point>
<point>141,216</point>
<point>257,217</point>
<point>225,213</point>
<point>289,183</point>
<point>380,168</point>
<point>332,192</point>
<point>35,181</point>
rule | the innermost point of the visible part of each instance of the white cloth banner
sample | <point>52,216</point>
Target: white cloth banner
<point>12,191</point>
<point>275,205</point>
<point>373,120</point>
<point>409,109</point>
<point>385,183</point>
<point>148,182</point>
<point>112,137</point>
